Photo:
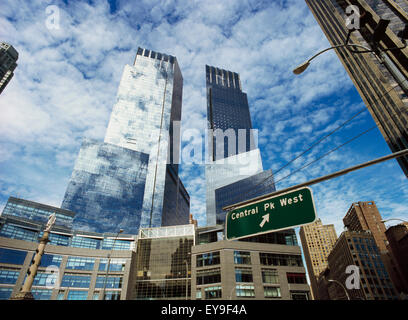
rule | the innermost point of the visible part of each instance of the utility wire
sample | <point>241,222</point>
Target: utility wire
<point>321,140</point>
<point>327,153</point>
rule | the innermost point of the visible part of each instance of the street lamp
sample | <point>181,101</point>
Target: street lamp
<point>302,67</point>
<point>339,283</point>
<point>108,266</point>
<point>396,219</point>
<point>376,50</point>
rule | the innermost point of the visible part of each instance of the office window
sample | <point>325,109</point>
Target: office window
<point>272,259</point>
<point>247,291</point>
<point>213,292</point>
<point>208,276</point>
<point>41,294</point>
<point>11,256</point>
<point>109,282</point>
<point>5,293</point>
<point>242,257</point>
<point>296,278</point>
<point>114,265</point>
<point>85,242</point>
<point>270,276</point>
<point>272,292</point>
<point>77,295</point>
<point>78,263</point>
<point>44,279</point>
<point>8,276</point>
<point>208,259</point>
<point>107,244</point>
<point>76,280</point>
<point>112,295</point>
<point>299,295</point>
<point>50,260</point>
<point>59,239</point>
<point>20,233</point>
<point>243,275</point>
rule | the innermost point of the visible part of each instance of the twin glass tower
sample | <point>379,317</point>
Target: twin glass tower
<point>130,180</point>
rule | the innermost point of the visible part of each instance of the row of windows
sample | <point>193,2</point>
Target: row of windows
<point>20,233</point>
<point>11,256</point>
<point>245,291</point>
<point>272,259</point>
<point>244,257</point>
<point>162,289</point>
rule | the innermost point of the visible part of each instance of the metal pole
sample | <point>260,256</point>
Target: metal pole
<point>324,178</point>
<point>108,266</point>
<point>186,279</point>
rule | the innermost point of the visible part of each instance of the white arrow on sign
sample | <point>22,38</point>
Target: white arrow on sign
<point>265,219</point>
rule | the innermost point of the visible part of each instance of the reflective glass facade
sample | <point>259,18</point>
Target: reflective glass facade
<point>106,188</point>
<point>23,229</point>
<point>38,212</point>
<point>131,180</point>
<point>248,188</point>
<point>223,172</point>
<point>163,263</point>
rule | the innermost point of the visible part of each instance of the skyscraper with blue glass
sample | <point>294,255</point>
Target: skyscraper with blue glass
<point>234,170</point>
<point>131,179</point>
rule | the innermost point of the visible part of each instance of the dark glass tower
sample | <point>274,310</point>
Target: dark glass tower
<point>234,167</point>
<point>227,112</point>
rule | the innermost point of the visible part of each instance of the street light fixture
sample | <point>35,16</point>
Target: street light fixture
<point>339,283</point>
<point>396,219</point>
<point>302,67</point>
<point>108,266</point>
<point>378,52</point>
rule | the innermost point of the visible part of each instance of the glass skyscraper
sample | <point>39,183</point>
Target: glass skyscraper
<point>131,179</point>
<point>233,154</point>
<point>8,59</point>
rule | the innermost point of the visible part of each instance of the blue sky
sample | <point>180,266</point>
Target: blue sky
<point>66,81</point>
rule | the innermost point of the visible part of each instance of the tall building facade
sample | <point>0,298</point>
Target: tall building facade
<point>131,179</point>
<point>317,242</point>
<point>397,237</point>
<point>8,59</point>
<point>358,248</point>
<point>163,263</point>
<point>265,267</point>
<point>233,154</point>
<point>363,216</point>
<point>382,80</point>
<point>75,263</point>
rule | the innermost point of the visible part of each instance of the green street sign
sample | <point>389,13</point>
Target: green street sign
<point>288,210</point>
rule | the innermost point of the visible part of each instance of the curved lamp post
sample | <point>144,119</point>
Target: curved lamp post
<point>302,67</point>
<point>339,283</point>
<point>396,219</point>
<point>378,53</point>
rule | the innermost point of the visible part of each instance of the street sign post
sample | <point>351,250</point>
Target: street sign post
<point>288,210</point>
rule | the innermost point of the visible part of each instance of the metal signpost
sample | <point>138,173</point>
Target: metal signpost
<point>291,209</point>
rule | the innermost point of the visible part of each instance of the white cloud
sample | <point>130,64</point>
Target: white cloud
<point>66,82</point>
